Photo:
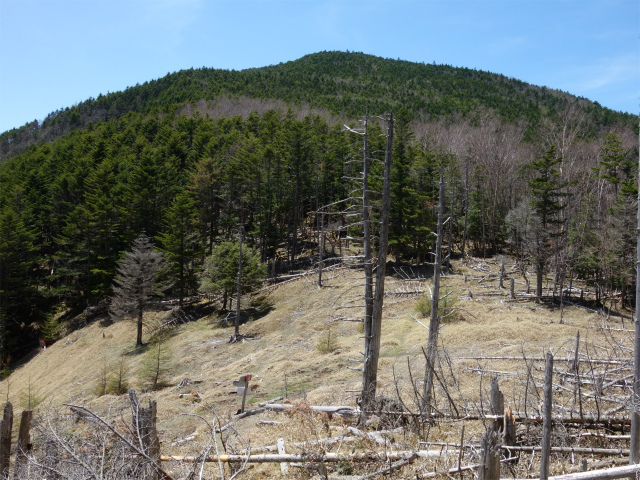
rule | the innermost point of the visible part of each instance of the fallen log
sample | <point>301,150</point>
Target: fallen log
<point>310,457</point>
<point>326,442</point>
<point>609,473</point>
<point>341,410</point>
<point>586,450</point>
<point>451,471</point>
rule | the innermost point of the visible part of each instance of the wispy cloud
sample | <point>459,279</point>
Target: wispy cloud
<point>607,72</point>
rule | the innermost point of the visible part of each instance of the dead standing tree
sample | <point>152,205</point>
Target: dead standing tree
<point>434,321</point>
<point>366,232</point>
<point>634,448</point>
<point>373,325</point>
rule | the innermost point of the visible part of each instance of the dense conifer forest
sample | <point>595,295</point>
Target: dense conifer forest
<point>190,158</point>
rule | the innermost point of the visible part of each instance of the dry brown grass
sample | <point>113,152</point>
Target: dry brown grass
<point>282,356</point>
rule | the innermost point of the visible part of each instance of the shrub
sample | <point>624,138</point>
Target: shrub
<point>118,382</point>
<point>446,306</point>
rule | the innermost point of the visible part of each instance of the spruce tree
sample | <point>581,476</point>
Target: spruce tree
<point>181,245</point>
<point>547,190</point>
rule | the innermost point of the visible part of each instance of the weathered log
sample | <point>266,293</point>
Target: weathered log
<point>310,457</point>
<point>586,450</point>
<point>343,411</point>
<point>607,474</point>
<point>461,469</point>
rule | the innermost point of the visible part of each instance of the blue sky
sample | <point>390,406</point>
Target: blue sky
<point>55,53</point>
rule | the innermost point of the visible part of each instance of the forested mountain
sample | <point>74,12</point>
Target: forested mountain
<point>343,84</point>
<point>536,173</point>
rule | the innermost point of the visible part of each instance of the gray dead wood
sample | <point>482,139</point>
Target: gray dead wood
<point>5,439</point>
<point>546,424</point>
<point>585,450</point>
<point>434,319</point>
<point>372,341</point>
<point>135,446</point>
<point>490,466</point>
<point>310,457</point>
<point>23,446</point>
<point>634,456</point>
<point>608,474</point>
<point>144,423</point>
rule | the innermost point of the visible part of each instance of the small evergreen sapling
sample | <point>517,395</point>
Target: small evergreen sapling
<point>156,366</point>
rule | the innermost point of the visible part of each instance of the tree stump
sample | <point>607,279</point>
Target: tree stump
<point>5,440</point>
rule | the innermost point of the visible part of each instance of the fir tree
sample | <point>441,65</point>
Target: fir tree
<point>137,280</point>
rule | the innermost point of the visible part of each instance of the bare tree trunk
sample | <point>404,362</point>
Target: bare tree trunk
<point>434,322</point>
<point>547,420</point>
<point>236,332</point>
<point>450,239</point>
<point>466,207</point>
<point>23,446</point>
<point>139,336</point>
<point>490,467</point>
<point>321,250</point>
<point>370,369</point>
<point>634,448</point>
<point>368,265</point>
<point>144,425</point>
<point>5,440</point>
<point>484,241</point>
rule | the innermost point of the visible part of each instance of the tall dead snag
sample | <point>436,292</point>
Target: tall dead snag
<point>466,207</point>
<point>368,265</point>
<point>236,330</point>
<point>546,419</point>
<point>434,321</point>
<point>372,341</point>
<point>634,447</point>
<point>321,250</point>
<point>5,440</point>
<point>23,446</point>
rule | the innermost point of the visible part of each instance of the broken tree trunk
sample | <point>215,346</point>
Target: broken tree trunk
<point>23,446</point>
<point>490,467</point>
<point>144,424</point>
<point>5,440</point>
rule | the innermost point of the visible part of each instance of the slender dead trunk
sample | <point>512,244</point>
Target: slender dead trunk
<point>236,332</point>
<point>370,370</point>
<point>634,448</point>
<point>434,321</point>
<point>321,250</point>
<point>368,265</point>
<point>466,207</point>
<point>450,239</point>
<point>139,336</point>
<point>547,420</point>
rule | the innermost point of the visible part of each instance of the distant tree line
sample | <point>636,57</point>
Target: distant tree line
<point>70,209</point>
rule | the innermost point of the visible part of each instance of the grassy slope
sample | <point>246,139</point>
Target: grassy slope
<point>285,348</point>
